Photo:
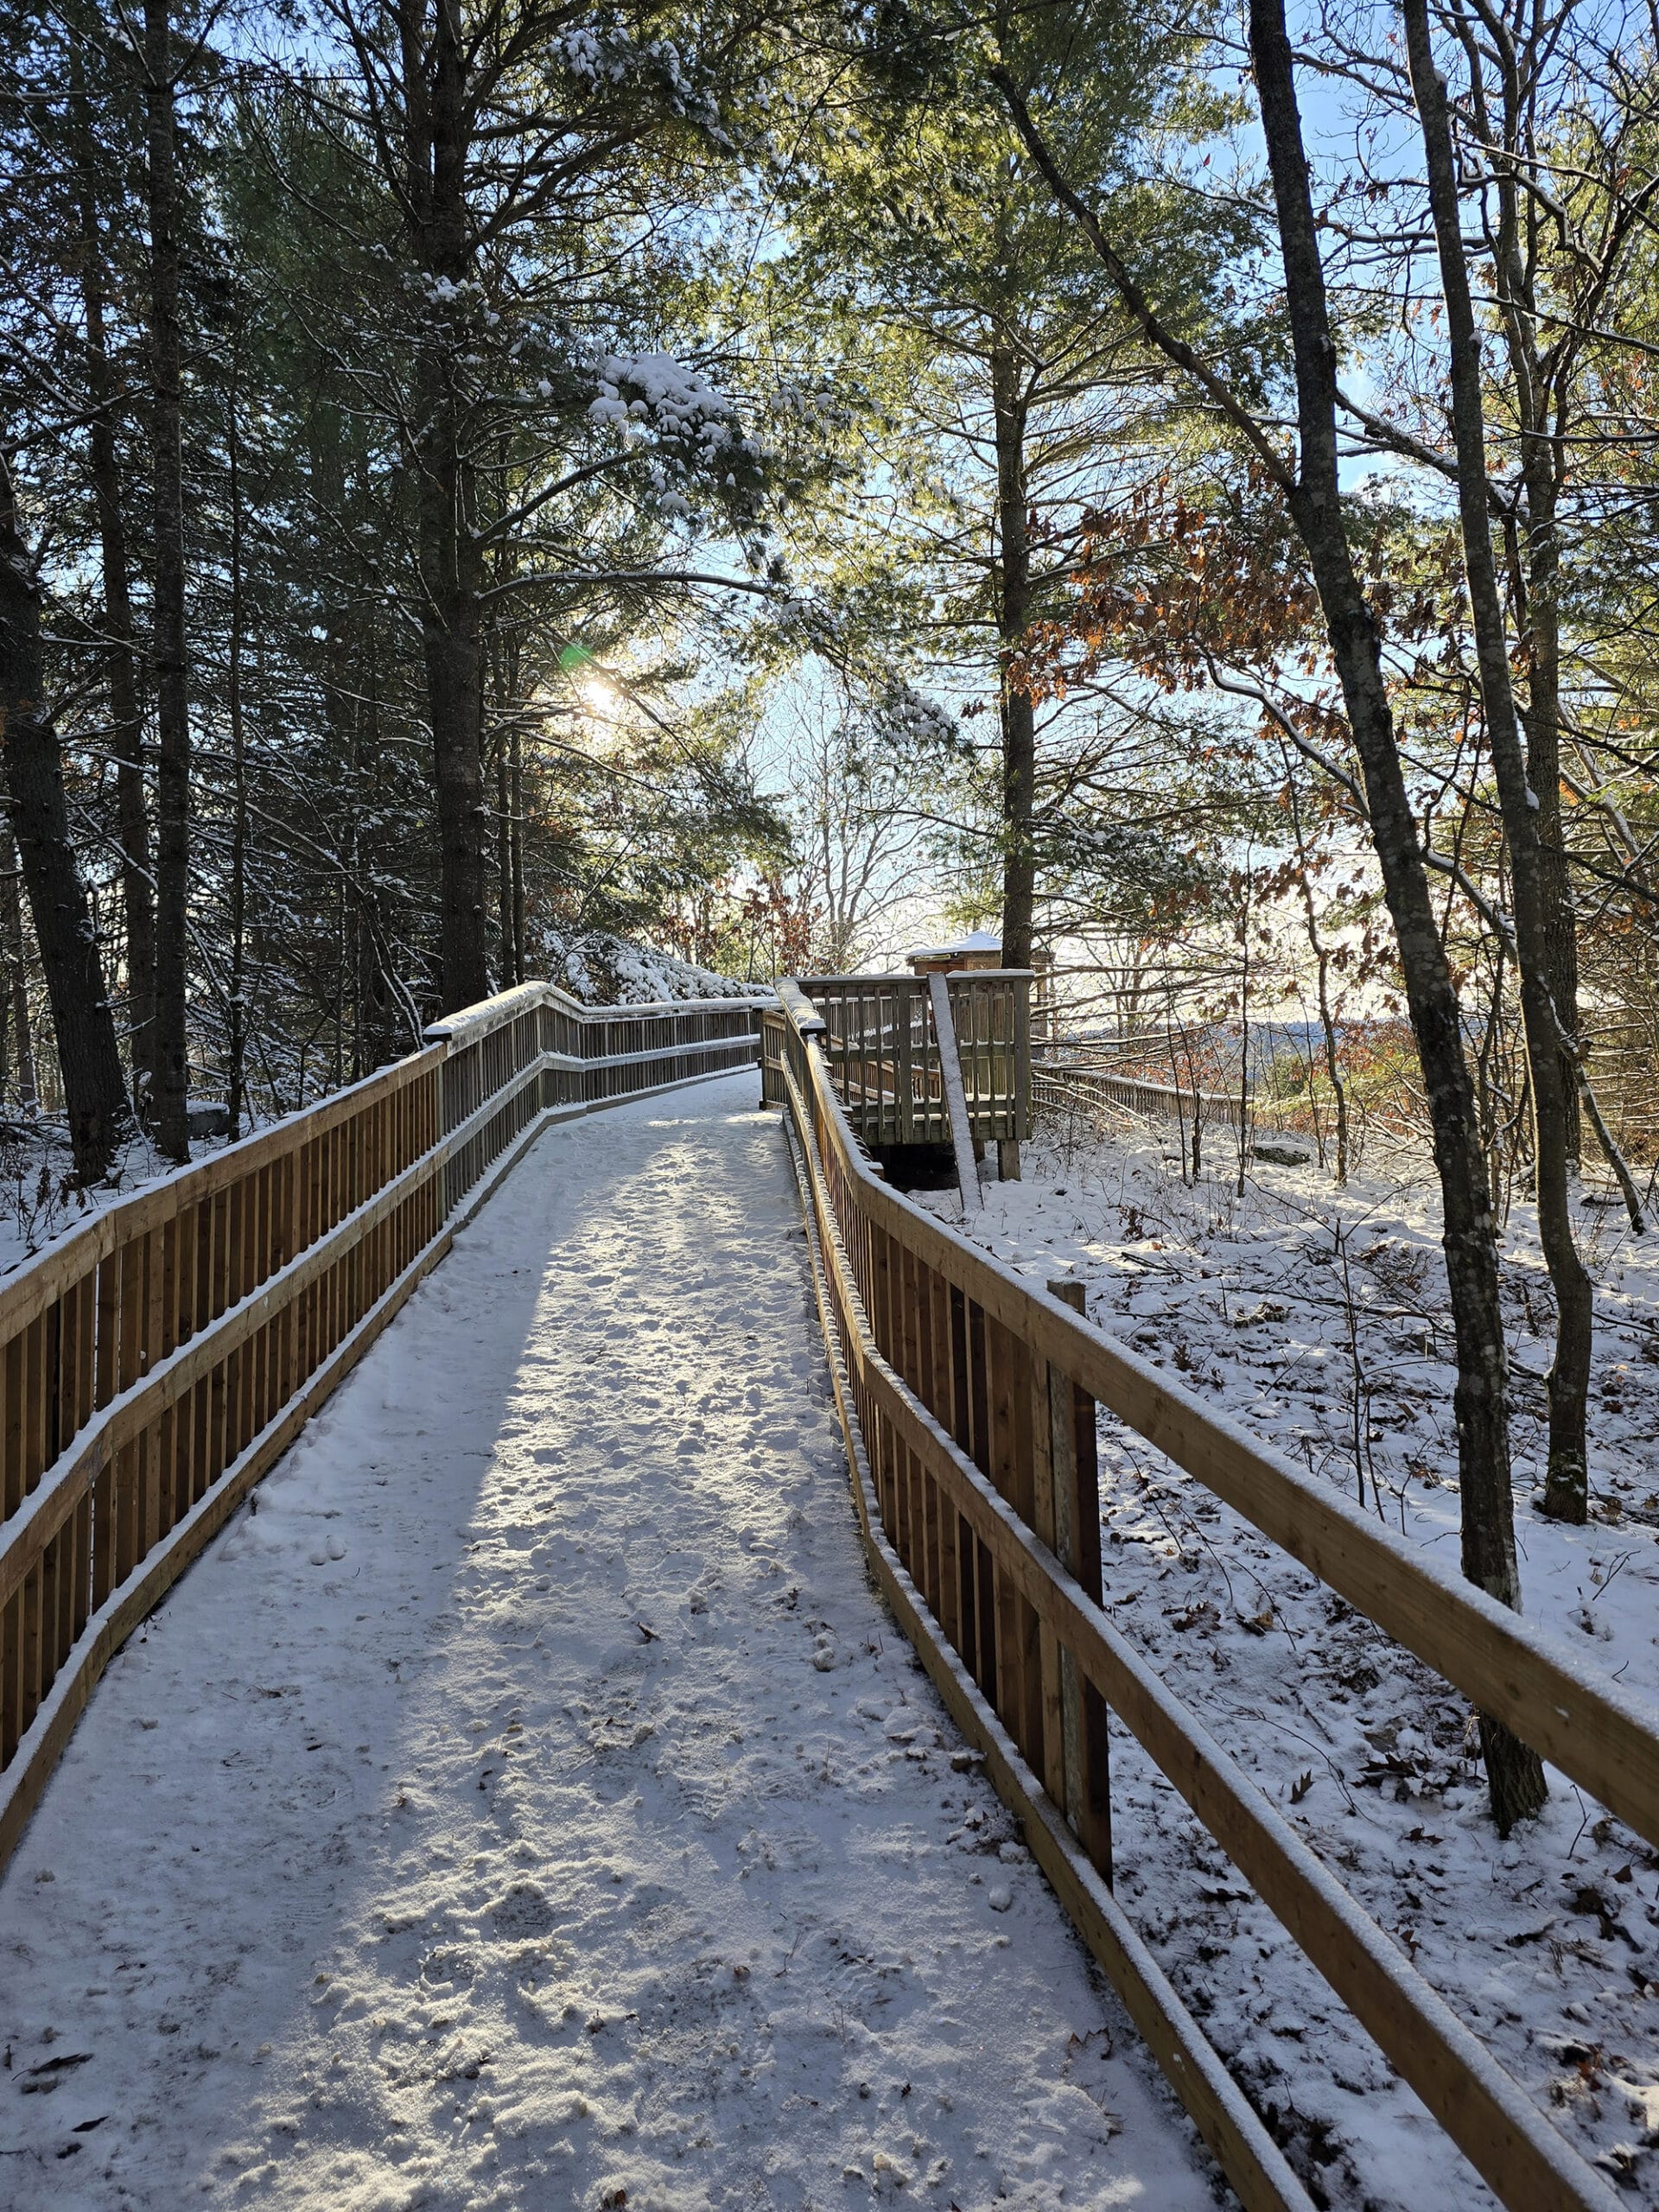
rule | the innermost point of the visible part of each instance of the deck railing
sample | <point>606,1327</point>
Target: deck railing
<point>881,1045</point>
<point>155,1362</point>
<point>968,1394</point>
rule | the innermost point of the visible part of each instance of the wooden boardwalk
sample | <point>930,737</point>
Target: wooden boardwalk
<point>532,1801</point>
<point>160,1360</point>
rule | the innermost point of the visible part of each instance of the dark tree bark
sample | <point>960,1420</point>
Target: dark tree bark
<point>1321,952</point>
<point>172,1075</point>
<point>126,717</point>
<point>1313,492</point>
<point>451,563</point>
<point>504,862</point>
<point>1540,384</point>
<point>236,1041</point>
<point>93,1085</point>
<point>1514,1774</point>
<point>1014,701</point>
<point>1566,1485</point>
<point>15,993</point>
<point>517,801</point>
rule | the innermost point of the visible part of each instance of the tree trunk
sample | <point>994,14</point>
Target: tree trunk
<point>237,1043</point>
<point>126,719</point>
<point>1542,717</point>
<point>504,861</point>
<point>1567,1483</point>
<point>516,795</point>
<point>1538,391</point>
<point>1322,965</point>
<point>451,570</point>
<point>16,983</point>
<point>1514,1773</point>
<point>94,1088</point>
<point>1012,585</point>
<point>172,673</point>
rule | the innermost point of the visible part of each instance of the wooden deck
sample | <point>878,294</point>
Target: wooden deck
<point>156,1363</point>
<point>881,1045</point>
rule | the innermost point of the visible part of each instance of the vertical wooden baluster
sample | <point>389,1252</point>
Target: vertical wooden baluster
<point>57,1378</point>
<point>148,1463</point>
<point>876,1304</point>
<point>128,1361</point>
<point>199,1444</point>
<point>961,1427</point>
<point>305,1174</point>
<point>1000,1436</point>
<point>943,1395</point>
<point>35,1385</point>
<point>1076,1476</point>
<point>337,1147</point>
<point>1036,1685</point>
<point>187,1248</point>
<point>908,1347</point>
<point>164,1337</point>
<point>108,1328</point>
<point>979,1451</point>
<point>890,1278</point>
<point>276,1203</point>
<point>85,1334</point>
<point>219,1291</point>
<point>292,1183</point>
<point>11,1496</point>
<point>1044,1524</point>
<point>236,1364</point>
<point>259,1350</point>
<point>318,1318</point>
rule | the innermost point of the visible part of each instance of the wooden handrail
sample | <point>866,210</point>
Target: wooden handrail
<point>951,1362</point>
<point>157,1360</point>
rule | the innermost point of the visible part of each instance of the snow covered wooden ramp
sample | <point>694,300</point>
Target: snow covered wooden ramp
<point>530,1804</point>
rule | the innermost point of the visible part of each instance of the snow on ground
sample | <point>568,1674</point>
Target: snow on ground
<point>1547,1945</point>
<point>527,1803</point>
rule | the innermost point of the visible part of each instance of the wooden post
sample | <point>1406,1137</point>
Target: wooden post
<point>904,1016</point>
<point>945,1030</point>
<point>1016,1064</point>
<point>1075,1478</point>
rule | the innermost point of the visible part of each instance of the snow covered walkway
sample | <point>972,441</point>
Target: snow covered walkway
<point>559,1821</point>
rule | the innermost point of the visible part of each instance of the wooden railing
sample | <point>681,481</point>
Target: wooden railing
<point>1069,1072</point>
<point>156,1361</point>
<point>968,1394</point>
<point>880,1042</point>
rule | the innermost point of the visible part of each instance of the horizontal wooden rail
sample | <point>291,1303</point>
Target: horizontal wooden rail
<point>955,1371</point>
<point>157,1360</point>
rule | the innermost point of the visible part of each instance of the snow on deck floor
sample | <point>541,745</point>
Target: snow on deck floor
<point>530,1802</point>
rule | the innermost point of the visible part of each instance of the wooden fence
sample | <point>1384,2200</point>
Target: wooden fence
<point>881,1039</point>
<point>1070,1074</point>
<point>968,1394</point>
<point>155,1362</point>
